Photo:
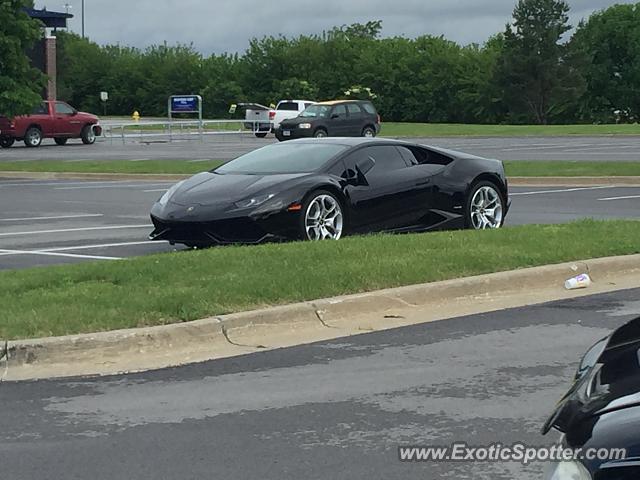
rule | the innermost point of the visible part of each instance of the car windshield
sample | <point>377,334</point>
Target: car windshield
<point>283,158</point>
<point>316,111</point>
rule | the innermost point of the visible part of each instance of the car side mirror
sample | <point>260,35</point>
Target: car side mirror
<point>75,112</point>
<point>335,115</point>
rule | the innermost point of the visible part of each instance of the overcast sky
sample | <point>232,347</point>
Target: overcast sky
<point>227,25</point>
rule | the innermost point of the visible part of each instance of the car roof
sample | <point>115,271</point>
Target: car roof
<point>350,141</point>
<point>336,102</point>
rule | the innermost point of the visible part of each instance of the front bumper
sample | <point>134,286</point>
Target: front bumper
<point>217,229</point>
<point>217,232</point>
<point>294,132</point>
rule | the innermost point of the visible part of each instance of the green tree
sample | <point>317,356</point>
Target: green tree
<point>20,83</point>
<point>536,70</point>
<point>610,40</point>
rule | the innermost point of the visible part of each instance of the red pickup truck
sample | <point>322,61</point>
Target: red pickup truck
<point>50,119</point>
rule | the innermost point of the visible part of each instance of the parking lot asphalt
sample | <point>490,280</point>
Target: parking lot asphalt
<point>332,409</point>
<point>231,145</point>
<point>53,222</point>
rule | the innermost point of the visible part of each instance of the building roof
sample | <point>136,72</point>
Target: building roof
<point>50,19</point>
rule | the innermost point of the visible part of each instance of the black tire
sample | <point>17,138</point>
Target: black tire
<point>33,137</point>
<point>468,213</point>
<point>302,230</point>
<point>369,131</point>
<point>261,134</point>
<point>320,133</point>
<point>60,141</point>
<point>88,135</point>
<point>6,142</point>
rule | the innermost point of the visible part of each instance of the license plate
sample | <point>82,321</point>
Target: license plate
<point>286,133</point>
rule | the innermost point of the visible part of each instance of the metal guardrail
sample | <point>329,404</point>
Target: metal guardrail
<point>176,130</point>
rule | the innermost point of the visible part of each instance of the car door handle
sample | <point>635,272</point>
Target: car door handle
<point>426,181</point>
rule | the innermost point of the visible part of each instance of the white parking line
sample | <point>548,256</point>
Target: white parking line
<point>58,217</point>
<point>50,184</point>
<point>102,245</point>
<point>84,187</point>
<point>618,198</point>
<point>540,192</point>
<point>52,254</point>
<point>63,230</point>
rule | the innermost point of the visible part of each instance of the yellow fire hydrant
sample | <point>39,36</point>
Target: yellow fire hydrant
<point>136,116</point>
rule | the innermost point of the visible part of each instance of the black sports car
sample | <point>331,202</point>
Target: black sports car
<point>600,415</point>
<point>319,189</point>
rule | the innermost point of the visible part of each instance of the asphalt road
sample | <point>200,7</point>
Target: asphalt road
<point>228,146</point>
<point>54,222</point>
<point>336,409</point>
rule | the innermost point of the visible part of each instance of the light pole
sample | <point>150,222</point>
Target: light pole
<point>67,6</point>
<point>82,18</point>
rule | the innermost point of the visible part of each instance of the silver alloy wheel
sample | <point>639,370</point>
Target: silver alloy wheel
<point>486,208</point>
<point>91,135</point>
<point>320,134</point>
<point>368,133</point>
<point>323,219</point>
<point>34,137</point>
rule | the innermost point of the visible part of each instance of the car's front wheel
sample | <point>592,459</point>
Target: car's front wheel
<point>322,217</point>
<point>485,207</point>
<point>33,137</point>
<point>6,142</point>
<point>88,135</point>
<point>320,133</point>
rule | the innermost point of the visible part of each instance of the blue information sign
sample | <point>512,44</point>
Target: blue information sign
<point>186,104</point>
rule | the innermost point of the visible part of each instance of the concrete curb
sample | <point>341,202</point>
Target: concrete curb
<point>217,333</point>
<point>513,181</point>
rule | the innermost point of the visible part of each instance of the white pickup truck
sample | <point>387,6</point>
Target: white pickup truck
<point>262,120</point>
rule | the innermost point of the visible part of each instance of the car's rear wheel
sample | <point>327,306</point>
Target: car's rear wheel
<point>60,141</point>
<point>88,135</point>
<point>485,207</point>
<point>320,133</point>
<point>261,134</point>
<point>6,142</point>
<point>322,217</point>
<point>33,137</point>
<point>369,132</point>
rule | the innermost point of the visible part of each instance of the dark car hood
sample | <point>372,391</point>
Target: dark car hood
<point>208,188</point>
<point>608,380</point>
<point>295,121</point>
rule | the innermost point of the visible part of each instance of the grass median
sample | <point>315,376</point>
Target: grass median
<point>513,168</point>
<point>393,129</point>
<point>188,285</point>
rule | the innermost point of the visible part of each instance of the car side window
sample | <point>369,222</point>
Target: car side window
<point>387,159</point>
<point>354,110</point>
<point>340,111</point>
<point>369,108</point>
<point>423,156</point>
<point>63,109</point>
<point>41,109</point>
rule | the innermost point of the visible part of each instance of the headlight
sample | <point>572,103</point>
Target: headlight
<point>305,125</point>
<point>255,201</point>
<point>567,471</point>
<point>169,193</point>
